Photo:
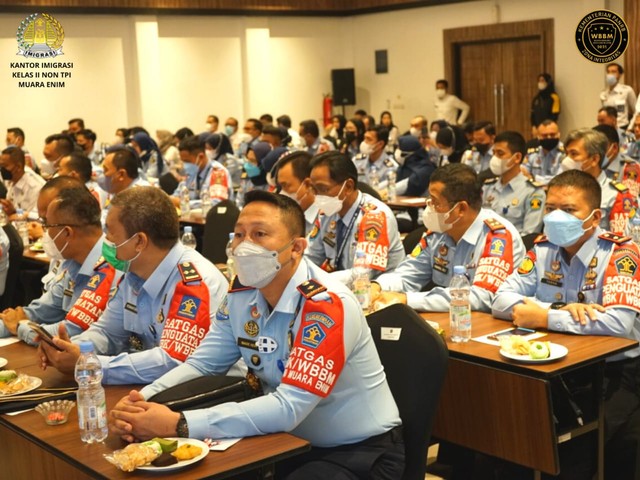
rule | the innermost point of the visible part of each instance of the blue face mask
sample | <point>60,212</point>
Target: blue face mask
<point>251,169</point>
<point>229,129</point>
<point>104,182</point>
<point>564,229</point>
<point>190,169</point>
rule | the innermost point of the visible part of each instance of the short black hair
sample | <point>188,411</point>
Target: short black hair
<point>284,120</point>
<point>126,158</point>
<point>546,122</point>
<point>61,182</point>
<point>609,132</point>
<point>292,214</point>
<point>79,121</point>
<point>15,154</point>
<point>65,144</point>
<point>88,134</point>
<point>194,144</point>
<point>215,118</point>
<point>78,206</point>
<point>273,130</point>
<point>310,127</point>
<point>300,164</point>
<point>614,64</point>
<point>267,117</point>
<point>148,210</point>
<point>582,181</point>
<point>515,142</point>
<point>257,124</point>
<point>485,125</point>
<point>17,131</point>
<point>444,82</point>
<point>80,163</point>
<point>382,133</point>
<point>361,112</point>
<point>460,184</point>
<point>341,168</point>
<point>183,133</point>
<point>610,111</point>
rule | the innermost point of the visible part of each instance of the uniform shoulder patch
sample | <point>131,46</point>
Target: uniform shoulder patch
<point>531,181</point>
<point>489,181</point>
<point>612,237</point>
<point>310,287</point>
<point>531,150</point>
<point>360,156</point>
<point>188,272</point>
<point>388,162</point>
<point>236,286</point>
<point>540,239</point>
<point>494,224</point>
<point>619,186</point>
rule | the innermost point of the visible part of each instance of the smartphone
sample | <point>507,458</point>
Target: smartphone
<point>44,335</point>
<point>513,331</point>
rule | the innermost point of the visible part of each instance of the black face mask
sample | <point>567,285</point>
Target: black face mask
<point>549,143</point>
<point>349,137</point>
<point>482,148</point>
<point>6,174</point>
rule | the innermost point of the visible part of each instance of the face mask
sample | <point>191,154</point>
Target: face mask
<point>542,85</point>
<point>211,155</point>
<point>104,182</point>
<point>349,137</point>
<point>611,79</point>
<point>400,156</point>
<point>446,151</point>
<point>6,174</point>
<point>482,148</point>
<point>569,163</point>
<point>229,129</point>
<point>117,140</point>
<point>293,196</point>
<point>436,221</point>
<point>549,143</point>
<point>50,248</point>
<point>255,265</point>
<point>251,169</point>
<point>433,135</point>
<point>564,229</point>
<point>414,132</point>
<point>499,166</point>
<point>190,169</point>
<point>207,127</point>
<point>440,93</point>
<point>110,254</point>
<point>366,148</point>
<point>329,205</point>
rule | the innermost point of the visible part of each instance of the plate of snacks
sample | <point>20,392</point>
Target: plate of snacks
<point>159,454</point>
<point>13,383</point>
<point>517,348</point>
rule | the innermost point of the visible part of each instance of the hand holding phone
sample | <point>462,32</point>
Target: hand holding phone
<point>43,334</point>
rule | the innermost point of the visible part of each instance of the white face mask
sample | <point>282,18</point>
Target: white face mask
<point>256,266</point>
<point>50,248</point>
<point>293,196</point>
<point>414,132</point>
<point>330,205</point>
<point>440,93</point>
<point>400,158</point>
<point>499,166</point>
<point>211,155</point>
<point>366,148</point>
<point>542,85</point>
<point>433,135</point>
<point>569,163</point>
<point>436,221</point>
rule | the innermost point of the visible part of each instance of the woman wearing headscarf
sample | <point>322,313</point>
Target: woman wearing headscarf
<point>546,103</point>
<point>153,164</point>
<point>353,136</point>
<point>387,120</point>
<point>168,150</point>
<point>451,142</point>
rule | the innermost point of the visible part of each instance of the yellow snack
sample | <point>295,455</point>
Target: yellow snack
<point>515,344</point>
<point>187,452</point>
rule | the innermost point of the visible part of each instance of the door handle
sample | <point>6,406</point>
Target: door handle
<point>495,102</point>
<point>502,105</point>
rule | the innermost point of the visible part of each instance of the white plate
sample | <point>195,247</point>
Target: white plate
<point>182,464</point>
<point>31,384</point>
<point>33,248</point>
<point>557,351</point>
<point>3,362</point>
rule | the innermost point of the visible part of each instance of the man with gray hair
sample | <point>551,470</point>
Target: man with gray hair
<point>586,149</point>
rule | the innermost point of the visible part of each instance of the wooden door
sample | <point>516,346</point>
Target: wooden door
<point>481,65</point>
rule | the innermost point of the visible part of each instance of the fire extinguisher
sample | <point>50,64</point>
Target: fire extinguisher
<point>327,109</point>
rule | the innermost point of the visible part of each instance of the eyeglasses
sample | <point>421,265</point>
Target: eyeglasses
<point>433,204</point>
<point>46,226</point>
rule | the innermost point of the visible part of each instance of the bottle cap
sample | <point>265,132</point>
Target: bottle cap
<point>86,347</point>
<point>459,270</point>
<point>188,229</point>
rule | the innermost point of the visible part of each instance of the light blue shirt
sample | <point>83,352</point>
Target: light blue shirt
<point>359,406</point>
<point>544,165</point>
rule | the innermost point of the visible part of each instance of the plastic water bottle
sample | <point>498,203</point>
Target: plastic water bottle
<point>205,196</point>
<point>460,307</point>
<point>374,179</point>
<point>22,226</point>
<point>188,238</point>
<point>185,206</point>
<point>361,284</point>
<point>391,186</point>
<point>92,405</point>
<point>231,266</point>
<point>635,228</point>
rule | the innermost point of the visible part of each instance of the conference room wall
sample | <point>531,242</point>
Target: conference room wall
<point>171,71</point>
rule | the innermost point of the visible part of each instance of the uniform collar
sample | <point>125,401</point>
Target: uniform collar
<point>290,296</point>
<point>475,229</point>
<point>91,260</point>
<point>154,284</point>
<point>311,213</point>
<point>355,208</point>
<point>585,254</point>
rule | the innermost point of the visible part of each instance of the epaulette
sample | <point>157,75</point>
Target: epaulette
<point>100,263</point>
<point>369,207</point>
<point>621,187</point>
<point>531,150</point>
<point>311,287</point>
<point>360,156</point>
<point>534,183</point>
<point>612,237</point>
<point>489,181</point>
<point>540,239</point>
<point>388,162</point>
<point>560,147</point>
<point>188,272</point>
<point>236,286</point>
<point>494,224</point>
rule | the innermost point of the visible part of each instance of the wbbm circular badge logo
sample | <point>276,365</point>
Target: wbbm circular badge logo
<point>602,36</point>
<point>40,36</point>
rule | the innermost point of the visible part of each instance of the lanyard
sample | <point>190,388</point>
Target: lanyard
<point>347,234</point>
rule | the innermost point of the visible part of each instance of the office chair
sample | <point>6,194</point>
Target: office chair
<point>415,365</point>
<point>528,240</point>
<point>168,183</point>
<point>221,220</point>
<point>9,298</point>
<point>411,240</point>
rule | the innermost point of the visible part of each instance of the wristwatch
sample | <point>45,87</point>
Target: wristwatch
<point>182,428</point>
<point>558,305</point>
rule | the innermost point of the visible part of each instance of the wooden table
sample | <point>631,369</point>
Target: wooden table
<point>31,449</point>
<point>39,257</point>
<point>499,407</point>
<point>404,202</point>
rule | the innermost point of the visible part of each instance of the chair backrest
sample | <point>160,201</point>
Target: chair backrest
<point>415,359</point>
<point>168,183</point>
<point>411,240</point>
<point>528,240</point>
<point>9,298</point>
<point>221,220</point>
<point>366,188</point>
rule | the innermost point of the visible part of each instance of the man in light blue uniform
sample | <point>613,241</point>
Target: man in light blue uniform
<point>373,159</point>
<point>542,163</point>
<point>352,221</point>
<point>480,154</point>
<point>74,236</point>
<point>459,233</point>
<point>511,195</point>
<point>164,304</point>
<point>282,315</point>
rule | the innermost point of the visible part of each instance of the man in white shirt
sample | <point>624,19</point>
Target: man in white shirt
<point>618,95</point>
<point>449,107</point>
<point>23,186</point>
